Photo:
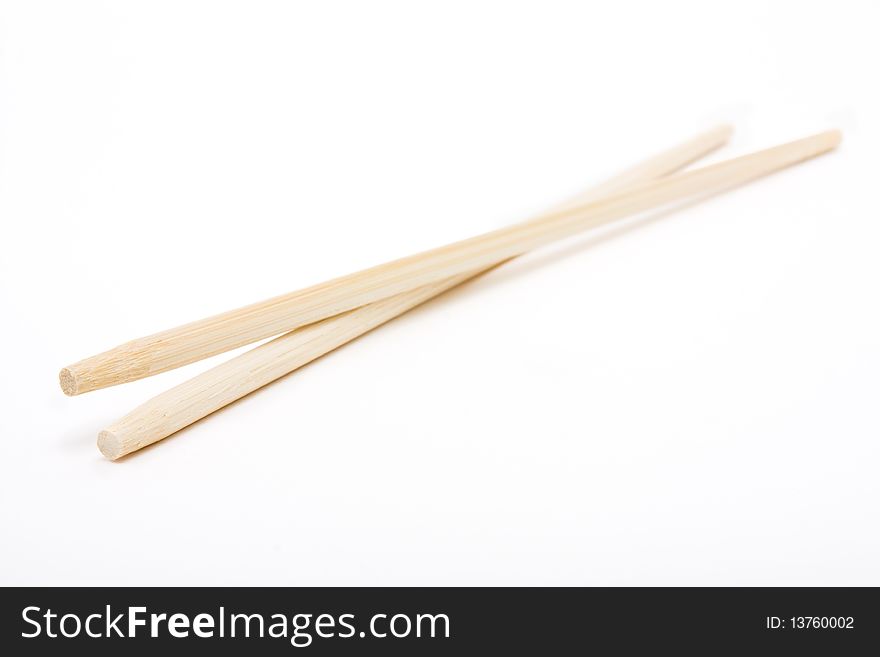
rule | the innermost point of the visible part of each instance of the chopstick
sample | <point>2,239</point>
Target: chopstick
<point>207,337</point>
<point>213,389</point>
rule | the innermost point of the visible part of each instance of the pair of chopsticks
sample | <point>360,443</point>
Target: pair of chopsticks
<point>313,321</point>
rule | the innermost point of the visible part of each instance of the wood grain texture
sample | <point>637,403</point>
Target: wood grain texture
<point>200,396</point>
<point>207,337</point>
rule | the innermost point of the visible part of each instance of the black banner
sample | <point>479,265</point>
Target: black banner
<point>398,621</point>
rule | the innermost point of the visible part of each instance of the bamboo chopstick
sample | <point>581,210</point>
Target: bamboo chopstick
<point>202,395</point>
<point>204,338</point>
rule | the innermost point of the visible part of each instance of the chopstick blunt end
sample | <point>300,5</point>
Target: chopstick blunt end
<point>68,382</point>
<point>110,445</point>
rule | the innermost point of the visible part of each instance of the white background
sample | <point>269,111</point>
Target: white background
<point>692,400</point>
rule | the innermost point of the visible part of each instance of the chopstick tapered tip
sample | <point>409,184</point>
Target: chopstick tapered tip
<point>68,382</point>
<point>824,142</point>
<point>109,445</point>
<point>723,131</point>
<point>834,138</point>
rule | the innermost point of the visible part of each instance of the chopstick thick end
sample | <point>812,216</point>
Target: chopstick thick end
<point>68,382</point>
<point>110,445</point>
<point>119,365</point>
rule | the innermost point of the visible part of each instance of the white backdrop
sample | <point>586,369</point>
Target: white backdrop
<point>692,400</point>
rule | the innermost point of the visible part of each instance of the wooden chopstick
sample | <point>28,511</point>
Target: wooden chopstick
<point>204,338</point>
<point>202,395</point>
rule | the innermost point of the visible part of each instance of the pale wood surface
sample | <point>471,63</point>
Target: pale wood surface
<point>194,399</point>
<point>207,337</point>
